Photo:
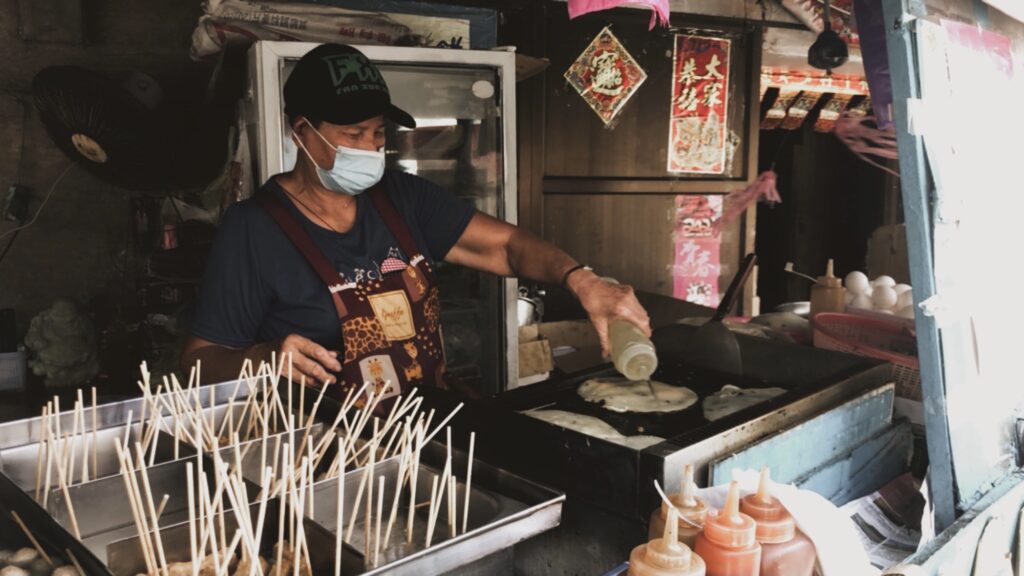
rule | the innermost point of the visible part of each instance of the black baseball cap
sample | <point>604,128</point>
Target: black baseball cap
<point>338,84</point>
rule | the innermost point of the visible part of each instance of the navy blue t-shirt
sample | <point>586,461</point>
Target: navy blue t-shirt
<point>259,288</point>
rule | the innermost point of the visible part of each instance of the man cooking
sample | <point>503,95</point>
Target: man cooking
<point>333,262</point>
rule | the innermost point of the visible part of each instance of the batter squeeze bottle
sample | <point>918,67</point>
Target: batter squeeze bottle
<point>728,543</point>
<point>632,353</point>
<point>692,511</point>
<point>785,551</point>
<point>666,556</point>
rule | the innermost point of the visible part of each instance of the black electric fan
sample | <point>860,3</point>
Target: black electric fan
<point>114,130</point>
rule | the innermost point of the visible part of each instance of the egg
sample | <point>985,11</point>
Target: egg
<point>901,288</point>
<point>906,312</point>
<point>884,281</point>
<point>905,299</point>
<point>857,282</point>
<point>848,297</point>
<point>889,312</point>
<point>884,298</point>
<point>862,302</point>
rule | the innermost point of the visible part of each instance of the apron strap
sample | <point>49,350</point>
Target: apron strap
<point>300,238</point>
<point>393,220</point>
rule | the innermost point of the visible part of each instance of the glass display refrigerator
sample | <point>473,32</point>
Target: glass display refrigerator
<point>464,105</point>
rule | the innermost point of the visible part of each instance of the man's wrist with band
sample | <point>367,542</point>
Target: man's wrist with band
<point>570,271</point>
<point>577,281</point>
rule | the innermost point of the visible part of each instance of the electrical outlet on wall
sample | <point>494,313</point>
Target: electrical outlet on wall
<point>16,204</point>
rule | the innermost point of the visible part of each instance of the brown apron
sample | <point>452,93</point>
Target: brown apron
<point>390,327</point>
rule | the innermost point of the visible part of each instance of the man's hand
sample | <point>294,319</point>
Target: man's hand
<point>605,302</point>
<point>310,358</point>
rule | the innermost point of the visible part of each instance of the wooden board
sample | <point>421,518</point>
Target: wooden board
<point>577,143</point>
<point>626,237</point>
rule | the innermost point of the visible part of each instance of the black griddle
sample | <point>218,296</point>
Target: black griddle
<point>614,477</point>
<point>563,396</point>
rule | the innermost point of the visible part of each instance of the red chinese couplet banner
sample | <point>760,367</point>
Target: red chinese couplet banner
<point>697,249</point>
<point>700,83</point>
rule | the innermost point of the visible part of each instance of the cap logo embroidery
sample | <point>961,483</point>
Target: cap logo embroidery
<point>343,65</point>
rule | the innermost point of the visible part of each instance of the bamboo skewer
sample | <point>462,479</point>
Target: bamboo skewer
<point>85,445</point>
<point>359,499</point>
<point>163,504</point>
<point>127,473</point>
<point>380,513</point>
<point>43,448</point>
<point>340,512</point>
<point>56,407</point>
<point>143,472</point>
<point>453,520</point>
<point>192,540</point>
<point>267,476</point>
<point>50,453</point>
<point>450,486</point>
<point>74,561</point>
<point>469,482</point>
<point>32,539</point>
<point>369,497</point>
<point>71,445</point>
<point>412,493</point>
<point>302,396</point>
<point>280,530</point>
<point>432,516</point>
<point>95,421</point>
<point>67,502</point>
<point>403,464</point>
<point>229,554</point>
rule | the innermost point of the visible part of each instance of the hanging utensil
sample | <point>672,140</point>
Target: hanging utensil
<point>713,346</point>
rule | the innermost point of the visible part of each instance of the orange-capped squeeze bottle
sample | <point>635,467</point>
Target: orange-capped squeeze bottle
<point>728,543</point>
<point>785,551</point>
<point>692,512</point>
<point>666,556</point>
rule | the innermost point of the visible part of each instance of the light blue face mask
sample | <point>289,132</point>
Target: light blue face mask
<point>354,171</point>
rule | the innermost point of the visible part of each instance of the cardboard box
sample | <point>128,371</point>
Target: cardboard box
<point>571,346</point>
<point>535,360</point>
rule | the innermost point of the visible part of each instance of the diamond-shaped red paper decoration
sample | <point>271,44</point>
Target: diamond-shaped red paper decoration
<point>605,75</point>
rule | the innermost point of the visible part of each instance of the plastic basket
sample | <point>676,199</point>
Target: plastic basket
<point>881,338</point>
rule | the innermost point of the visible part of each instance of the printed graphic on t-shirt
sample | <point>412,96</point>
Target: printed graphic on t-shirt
<point>393,262</point>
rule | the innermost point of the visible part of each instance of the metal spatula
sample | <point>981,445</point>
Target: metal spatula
<point>713,346</point>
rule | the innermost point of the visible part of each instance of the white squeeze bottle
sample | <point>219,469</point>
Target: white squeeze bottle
<point>632,353</point>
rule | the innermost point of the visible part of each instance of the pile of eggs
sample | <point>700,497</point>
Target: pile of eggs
<point>882,294</point>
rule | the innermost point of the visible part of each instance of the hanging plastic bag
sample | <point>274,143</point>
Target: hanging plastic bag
<point>659,8</point>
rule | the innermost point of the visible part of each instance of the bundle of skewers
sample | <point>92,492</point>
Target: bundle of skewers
<point>226,528</point>
<point>64,456</point>
<point>228,525</point>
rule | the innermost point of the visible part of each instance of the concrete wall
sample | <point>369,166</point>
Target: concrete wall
<point>80,246</point>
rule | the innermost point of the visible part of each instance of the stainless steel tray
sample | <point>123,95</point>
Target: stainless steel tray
<point>504,509</point>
